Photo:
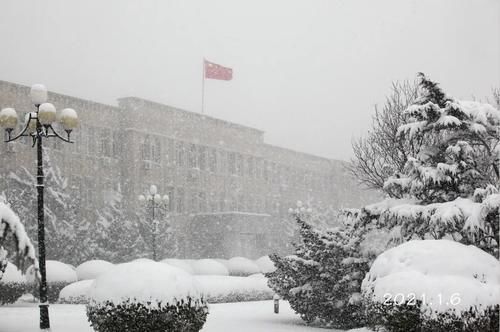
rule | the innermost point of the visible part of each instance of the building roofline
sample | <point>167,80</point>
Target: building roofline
<point>63,95</point>
<point>305,154</point>
<point>180,110</point>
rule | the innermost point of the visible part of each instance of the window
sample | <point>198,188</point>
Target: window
<point>169,153</point>
<point>194,202</point>
<point>239,164</point>
<point>213,202</point>
<point>146,148</point>
<point>212,160</point>
<point>202,157</point>
<point>117,144</point>
<point>156,150</point>
<point>202,202</point>
<point>192,158</point>
<point>232,162</point>
<point>91,141</point>
<point>180,158</point>
<point>171,198</point>
<point>222,201</point>
<point>105,142</point>
<point>180,198</point>
<point>265,170</point>
<point>250,166</point>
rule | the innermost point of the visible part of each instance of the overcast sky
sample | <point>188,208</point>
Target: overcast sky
<point>307,72</point>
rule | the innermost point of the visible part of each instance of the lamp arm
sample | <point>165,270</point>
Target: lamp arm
<point>21,134</point>
<point>55,134</point>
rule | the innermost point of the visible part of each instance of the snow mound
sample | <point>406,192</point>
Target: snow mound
<point>92,269</point>
<point>240,266</point>
<point>77,292</point>
<point>56,272</point>
<point>12,274</point>
<point>445,275</point>
<point>209,267</point>
<point>180,264</point>
<point>144,282</point>
<point>141,260</point>
<point>265,264</point>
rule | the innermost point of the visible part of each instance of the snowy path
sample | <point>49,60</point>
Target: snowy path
<point>241,317</point>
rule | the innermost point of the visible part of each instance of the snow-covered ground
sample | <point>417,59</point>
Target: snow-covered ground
<point>241,317</point>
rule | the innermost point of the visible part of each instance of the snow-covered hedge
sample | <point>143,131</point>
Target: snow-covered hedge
<point>146,296</point>
<point>180,263</point>
<point>209,267</point>
<point>12,285</point>
<point>92,269</point>
<point>240,266</point>
<point>59,275</point>
<point>76,293</point>
<point>225,289</point>
<point>433,283</point>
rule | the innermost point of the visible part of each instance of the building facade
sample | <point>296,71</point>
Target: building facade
<point>224,182</point>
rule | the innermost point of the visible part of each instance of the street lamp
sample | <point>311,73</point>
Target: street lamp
<point>38,125</point>
<point>157,202</point>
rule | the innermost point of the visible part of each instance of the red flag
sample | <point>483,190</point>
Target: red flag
<point>217,72</point>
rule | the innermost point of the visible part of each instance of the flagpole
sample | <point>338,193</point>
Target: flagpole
<point>203,88</point>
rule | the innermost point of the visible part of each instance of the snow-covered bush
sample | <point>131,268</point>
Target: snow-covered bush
<point>92,269</point>
<point>76,293</point>
<point>146,296</point>
<point>59,275</point>
<point>225,289</point>
<point>433,285</point>
<point>322,281</point>
<point>12,228</point>
<point>265,264</point>
<point>180,263</point>
<point>209,267</point>
<point>12,285</point>
<point>240,266</point>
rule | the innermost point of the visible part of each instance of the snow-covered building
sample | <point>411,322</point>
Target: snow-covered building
<point>207,166</point>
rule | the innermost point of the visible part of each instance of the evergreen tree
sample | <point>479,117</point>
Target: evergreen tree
<point>322,280</point>
<point>450,188</point>
<point>62,224</point>
<point>117,238</point>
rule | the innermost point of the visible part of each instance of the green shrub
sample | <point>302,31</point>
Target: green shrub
<point>11,291</point>
<point>240,296</point>
<point>409,318</point>
<point>322,281</point>
<point>53,290</point>
<point>132,316</point>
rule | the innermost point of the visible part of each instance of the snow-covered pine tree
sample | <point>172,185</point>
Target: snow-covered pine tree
<point>451,187</point>
<point>117,238</point>
<point>322,280</point>
<point>61,220</point>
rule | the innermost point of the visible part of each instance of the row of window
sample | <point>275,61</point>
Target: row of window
<point>205,158</point>
<point>105,142</point>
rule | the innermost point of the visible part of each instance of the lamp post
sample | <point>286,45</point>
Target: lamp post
<point>156,201</point>
<point>38,125</point>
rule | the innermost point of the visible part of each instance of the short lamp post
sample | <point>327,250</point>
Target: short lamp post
<point>154,201</point>
<point>38,125</point>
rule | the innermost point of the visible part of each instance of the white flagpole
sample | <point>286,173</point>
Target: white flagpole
<point>203,88</point>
